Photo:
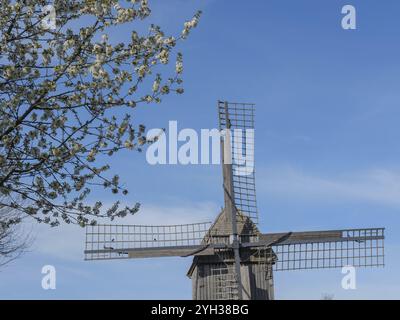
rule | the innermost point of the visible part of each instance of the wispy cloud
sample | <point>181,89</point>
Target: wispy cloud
<point>380,186</point>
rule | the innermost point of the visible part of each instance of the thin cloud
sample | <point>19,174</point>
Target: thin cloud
<point>379,186</point>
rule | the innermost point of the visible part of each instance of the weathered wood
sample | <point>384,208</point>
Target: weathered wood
<point>178,251</point>
<point>312,237</point>
<point>256,286</point>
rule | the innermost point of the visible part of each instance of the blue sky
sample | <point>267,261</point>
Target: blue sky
<point>327,146</point>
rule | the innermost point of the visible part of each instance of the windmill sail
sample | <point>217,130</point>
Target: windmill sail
<point>239,119</point>
<point>105,242</point>
<point>328,249</point>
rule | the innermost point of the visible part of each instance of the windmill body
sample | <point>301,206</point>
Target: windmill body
<point>232,259</point>
<point>213,276</point>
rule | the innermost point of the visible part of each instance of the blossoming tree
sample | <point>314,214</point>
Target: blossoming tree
<point>67,93</point>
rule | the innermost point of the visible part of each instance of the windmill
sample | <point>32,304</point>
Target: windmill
<point>232,258</point>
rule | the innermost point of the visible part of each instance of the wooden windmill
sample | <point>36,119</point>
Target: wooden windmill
<point>232,258</point>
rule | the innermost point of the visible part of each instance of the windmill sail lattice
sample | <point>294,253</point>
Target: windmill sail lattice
<point>232,258</point>
<point>105,242</point>
<point>240,118</point>
<point>329,249</point>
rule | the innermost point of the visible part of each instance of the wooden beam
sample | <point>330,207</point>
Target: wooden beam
<point>317,236</point>
<point>132,253</point>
